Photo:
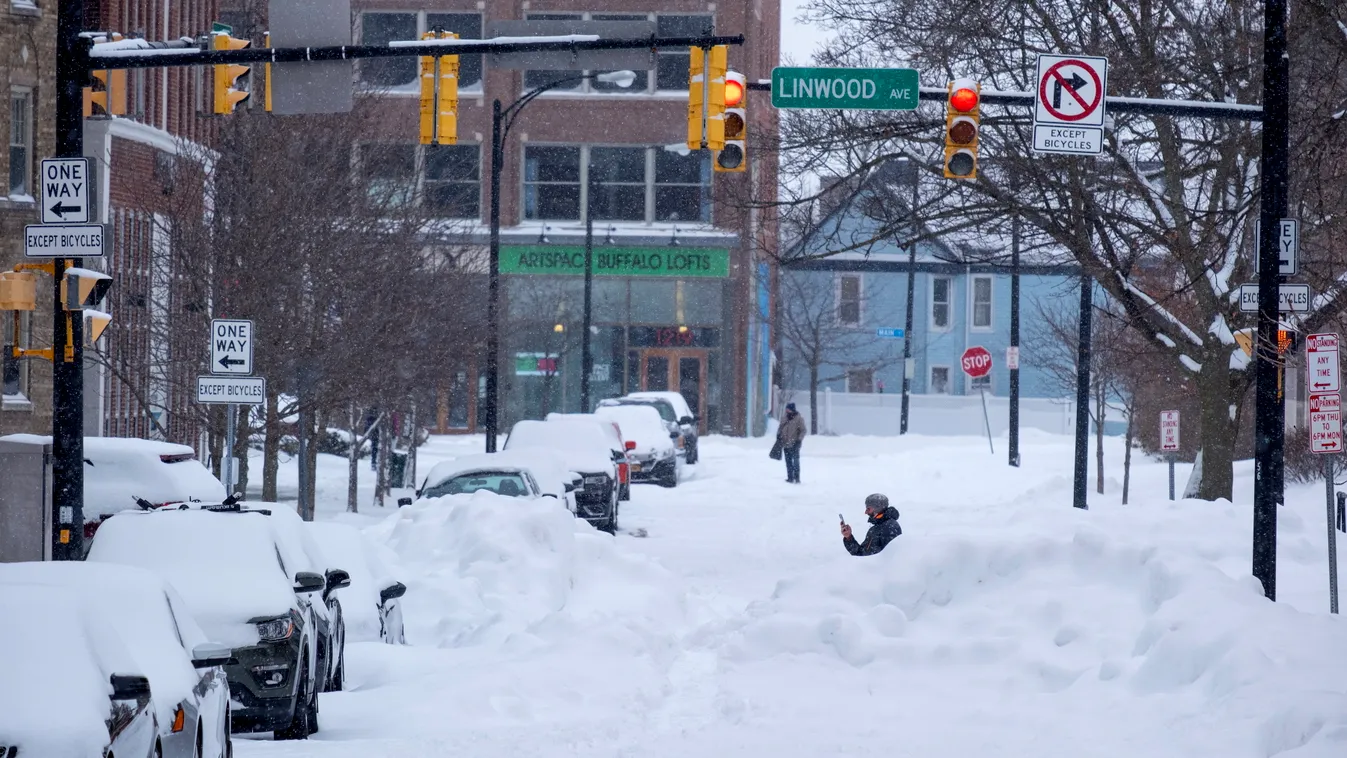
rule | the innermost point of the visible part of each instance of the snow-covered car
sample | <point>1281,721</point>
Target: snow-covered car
<point>620,444</point>
<point>372,607</point>
<point>585,450</point>
<point>489,472</point>
<point>106,661</point>
<point>674,409</point>
<point>653,452</point>
<point>232,573</point>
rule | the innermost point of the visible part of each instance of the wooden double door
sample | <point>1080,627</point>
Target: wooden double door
<point>681,371</point>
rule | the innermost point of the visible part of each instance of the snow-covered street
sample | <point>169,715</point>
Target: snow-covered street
<point>1002,623</point>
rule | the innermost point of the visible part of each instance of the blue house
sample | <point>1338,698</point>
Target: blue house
<point>844,287</point>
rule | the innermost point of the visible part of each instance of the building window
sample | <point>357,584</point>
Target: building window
<point>939,380</point>
<point>642,82</point>
<point>543,77</point>
<point>620,182</point>
<point>389,173</point>
<point>14,372</point>
<point>21,143</point>
<point>941,287</point>
<point>671,72</point>
<point>682,186</point>
<point>861,380</point>
<point>453,181</point>
<point>849,300</point>
<point>982,302</point>
<point>402,73</point>
<point>551,182</point>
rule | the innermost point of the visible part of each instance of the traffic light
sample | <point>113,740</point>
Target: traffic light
<point>84,288</point>
<point>961,129</point>
<point>717,65</point>
<point>18,291</point>
<point>696,96</point>
<point>439,95</point>
<point>733,153</point>
<point>231,83</point>
<point>109,96</point>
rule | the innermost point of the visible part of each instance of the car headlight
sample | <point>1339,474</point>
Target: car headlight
<point>271,675</point>
<point>275,630</point>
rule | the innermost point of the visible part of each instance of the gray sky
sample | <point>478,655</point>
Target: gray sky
<point>798,41</point>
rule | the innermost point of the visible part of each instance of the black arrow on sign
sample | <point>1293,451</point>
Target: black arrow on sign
<point>61,210</point>
<point>1076,83</point>
<point>226,361</point>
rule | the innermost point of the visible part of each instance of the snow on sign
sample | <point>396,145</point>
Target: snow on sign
<point>65,190</point>
<point>1169,431</point>
<point>231,346</point>
<point>976,361</point>
<point>1321,363</point>
<point>1069,107</point>
<point>1326,423</point>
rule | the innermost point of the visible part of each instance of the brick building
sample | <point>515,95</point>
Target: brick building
<point>678,280</point>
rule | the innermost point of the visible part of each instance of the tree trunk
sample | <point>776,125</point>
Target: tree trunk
<point>1127,447</point>
<point>271,448</point>
<point>409,473</point>
<point>1218,430</point>
<point>813,397</point>
<point>242,439</point>
<point>310,508</point>
<point>385,452</point>
<point>353,462</point>
<point>1100,411</point>
<point>216,441</point>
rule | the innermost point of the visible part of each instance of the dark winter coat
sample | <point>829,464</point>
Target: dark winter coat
<point>884,528</point>
<point>792,431</point>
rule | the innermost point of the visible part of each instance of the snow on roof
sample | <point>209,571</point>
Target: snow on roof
<point>641,424</point>
<point>586,452</point>
<point>676,399</point>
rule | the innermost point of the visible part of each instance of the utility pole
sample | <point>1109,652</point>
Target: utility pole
<point>1083,392</point>
<point>1015,340</point>
<point>493,286</point>
<point>914,175</point>
<point>67,393</point>
<point>586,355</point>
<point>1269,412</point>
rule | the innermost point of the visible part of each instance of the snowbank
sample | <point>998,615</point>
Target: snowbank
<point>484,569</point>
<point>347,548</point>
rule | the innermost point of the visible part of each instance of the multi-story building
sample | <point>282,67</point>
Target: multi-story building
<point>27,129</point>
<point>680,282</point>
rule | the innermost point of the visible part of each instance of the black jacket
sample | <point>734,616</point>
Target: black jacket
<point>883,529</point>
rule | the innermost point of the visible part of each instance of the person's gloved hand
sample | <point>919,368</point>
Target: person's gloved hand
<point>846,531</point>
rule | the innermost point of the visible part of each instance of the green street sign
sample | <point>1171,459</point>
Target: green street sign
<point>216,27</point>
<point>615,261</point>
<point>880,89</point>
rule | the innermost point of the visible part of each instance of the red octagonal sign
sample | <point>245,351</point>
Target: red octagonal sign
<point>976,361</point>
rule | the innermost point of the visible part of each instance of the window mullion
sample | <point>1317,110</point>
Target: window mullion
<point>585,156</point>
<point>650,179</point>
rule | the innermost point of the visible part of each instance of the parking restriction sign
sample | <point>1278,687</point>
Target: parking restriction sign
<point>1169,431</point>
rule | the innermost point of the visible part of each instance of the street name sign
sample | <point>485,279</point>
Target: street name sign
<point>65,190</point>
<point>976,361</point>
<point>231,390</point>
<point>231,346</point>
<point>1326,423</point>
<point>1169,431</point>
<point>1069,104</point>
<point>63,241</point>
<point>892,332</point>
<point>883,89</point>
<point>1321,362</point>
<point>1288,247</point>
<point>1294,298</point>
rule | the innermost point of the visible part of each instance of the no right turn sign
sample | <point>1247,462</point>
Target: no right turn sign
<point>1069,107</point>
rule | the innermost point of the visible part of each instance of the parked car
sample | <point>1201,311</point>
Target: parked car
<point>586,451</point>
<point>372,608</point>
<point>106,661</point>
<point>476,473</point>
<point>685,417</point>
<point>619,442</point>
<point>653,452</point>
<point>233,576</point>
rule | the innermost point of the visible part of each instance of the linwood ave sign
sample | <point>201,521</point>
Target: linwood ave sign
<point>615,261</point>
<point>894,89</point>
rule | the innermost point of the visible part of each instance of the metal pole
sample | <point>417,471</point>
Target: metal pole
<point>303,432</point>
<point>493,287</point>
<point>1171,476</point>
<point>1083,392</point>
<point>1269,414</point>
<point>1015,340</point>
<point>586,355</point>
<point>67,392</point>
<point>227,467</point>
<point>985,420</point>
<point>1332,536</point>
<point>911,293</point>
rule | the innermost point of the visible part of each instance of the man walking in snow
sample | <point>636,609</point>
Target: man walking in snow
<point>883,527</point>
<point>790,435</point>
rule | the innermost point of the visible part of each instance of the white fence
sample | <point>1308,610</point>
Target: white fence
<point>880,414</point>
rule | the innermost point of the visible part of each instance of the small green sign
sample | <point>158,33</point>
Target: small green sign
<point>217,27</point>
<point>615,261</point>
<point>883,89</point>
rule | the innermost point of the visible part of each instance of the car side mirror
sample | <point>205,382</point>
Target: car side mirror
<point>631,444</point>
<point>403,502</point>
<point>307,581</point>
<point>687,420</point>
<point>337,579</point>
<point>675,435</point>
<point>393,591</point>
<point>569,486</point>
<point>209,654</point>
<point>130,687</point>
<point>552,495</point>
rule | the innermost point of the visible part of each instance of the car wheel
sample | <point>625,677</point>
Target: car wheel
<point>693,455</point>
<point>625,492</point>
<point>671,478</point>
<point>339,676</point>
<point>298,728</point>
<point>226,738</point>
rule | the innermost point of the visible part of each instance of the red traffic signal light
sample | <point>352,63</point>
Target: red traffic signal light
<point>965,96</point>
<point>734,93</point>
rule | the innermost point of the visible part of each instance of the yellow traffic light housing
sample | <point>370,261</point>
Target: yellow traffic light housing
<point>95,323</point>
<point>696,97</point>
<point>18,291</point>
<point>108,98</point>
<point>439,95</point>
<point>717,65</point>
<point>732,156</point>
<point>962,120</point>
<point>231,83</point>
<point>84,288</point>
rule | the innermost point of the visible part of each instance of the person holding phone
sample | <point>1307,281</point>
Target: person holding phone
<point>884,527</point>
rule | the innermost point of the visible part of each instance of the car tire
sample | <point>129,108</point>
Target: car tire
<point>299,727</point>
<point>610,525</point>
<point>624,493</point>
<point>670,479</point>
<point>693,455</point>
<point>226,739</point>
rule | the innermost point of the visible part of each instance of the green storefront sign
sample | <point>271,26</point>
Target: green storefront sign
<point>615,261</point>
<point>889,89</point>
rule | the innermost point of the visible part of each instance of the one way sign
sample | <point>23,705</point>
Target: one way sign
<point>231,346</point>
<point>65,190</point>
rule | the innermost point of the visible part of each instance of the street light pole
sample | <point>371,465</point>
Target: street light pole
<point>586,355</point>
<point>914,175</point>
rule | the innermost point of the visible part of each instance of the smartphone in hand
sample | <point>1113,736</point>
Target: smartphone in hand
<point>841,519</point>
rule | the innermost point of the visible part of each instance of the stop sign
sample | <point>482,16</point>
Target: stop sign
<point>976,361</point>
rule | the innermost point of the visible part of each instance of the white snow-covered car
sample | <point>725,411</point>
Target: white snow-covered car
<point>654,454</point>
<point>106,661</point>
<point>620,443</point>
<point>675,411</point>
<point>372,608</point>
<point>233,574</point>
<point>585,450</point>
